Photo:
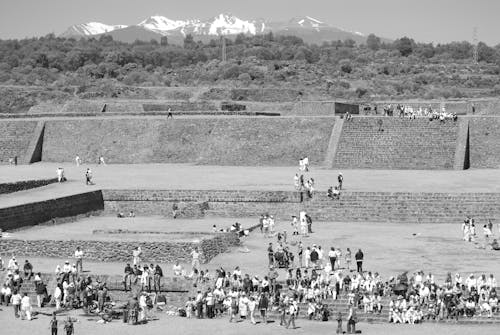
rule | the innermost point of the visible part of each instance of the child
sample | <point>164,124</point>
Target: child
<point>53,324</point>
<point>68,326</point>
<point>189,308</point>
<point>339,324</point>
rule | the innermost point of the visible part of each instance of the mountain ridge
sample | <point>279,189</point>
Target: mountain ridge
<point>155,27</point>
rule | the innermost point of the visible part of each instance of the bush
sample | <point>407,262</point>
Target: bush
<point>345,66</point>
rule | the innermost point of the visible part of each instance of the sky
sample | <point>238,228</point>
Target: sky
<point>423,20</point>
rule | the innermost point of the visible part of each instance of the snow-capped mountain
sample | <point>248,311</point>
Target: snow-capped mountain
<point>310,29</point>
<point>91,28</point>
<point>161,24</point>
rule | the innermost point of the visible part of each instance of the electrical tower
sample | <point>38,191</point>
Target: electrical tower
<point>475,42</point>
<point>222,44</point>
<point>223,48</point>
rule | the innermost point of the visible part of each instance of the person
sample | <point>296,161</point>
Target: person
<point>175,209</point>
<point>348,259</point>
<point>359,260</point>
<point>88,177</point>
<point>292,310</point>
<point>351,320</point>
<point>340,179</point>
<point>295,225</point>
<point>78,161</point>
<point>68,326</point>
<point>53,324</point>
<point>300,251</point>
<point>136,254</point>
<point>309,224</point>
<point>263,306</point>
<point>270,254</point>
<point>177,268</point>
<point>15,299</point>
<point>195,259</point>
<point>332,255</point>
<point>60,175</point>
<point>495,245</point>
<point>28,270</point>
<point>251,308</point>
<point>158,273</point>
<point>101,160</point>
<point>79,259</point>
<point>339,324</point>
<point>296,181</point>
<point>25,307</point>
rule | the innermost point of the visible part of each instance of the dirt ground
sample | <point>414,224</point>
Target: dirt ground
<point>167,325</point>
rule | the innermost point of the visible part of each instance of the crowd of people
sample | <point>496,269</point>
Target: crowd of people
<point>469,233</point>
<point>422,298</point>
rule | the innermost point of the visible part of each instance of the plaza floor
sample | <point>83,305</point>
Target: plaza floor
<point>388,248</point>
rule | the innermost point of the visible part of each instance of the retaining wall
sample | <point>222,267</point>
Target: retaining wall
<point>15,137</point>
<point>217,141</point>
<point>39,212</point>
<point>25,185</point>
<point>112,251</point>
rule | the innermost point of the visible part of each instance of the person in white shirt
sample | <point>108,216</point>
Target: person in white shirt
<point>67,267</point>
<point>136,254</point>
<point>78,161</point>
<point>60,174</point>
<point>12,266</point>
<point>101,160</point>
<point>79,259</point>
<point>307,256</point>
<point>195,259</point>
<point>58,297</point>
<point>177,268</point>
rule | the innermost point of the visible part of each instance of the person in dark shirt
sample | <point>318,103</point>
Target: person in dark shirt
<point>158,273</point>
<point>128,272</point>
<point>263,306</point>
<point>359,260</point>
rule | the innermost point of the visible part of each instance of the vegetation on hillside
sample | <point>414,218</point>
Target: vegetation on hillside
<point>339,69</point>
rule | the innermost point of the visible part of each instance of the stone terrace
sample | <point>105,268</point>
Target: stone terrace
<point>401,144</point>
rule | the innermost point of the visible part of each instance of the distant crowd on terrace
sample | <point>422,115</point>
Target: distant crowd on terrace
<point>411,112</point>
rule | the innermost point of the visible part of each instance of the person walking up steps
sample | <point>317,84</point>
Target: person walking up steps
<point>340,179</point>
<point>359,260</point>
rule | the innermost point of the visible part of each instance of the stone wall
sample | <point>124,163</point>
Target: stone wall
<point>25,185</point>
<point>399,207</point>
<point>484,141</point>
<point>15,137</point>
<point>396,143</point>
<point>112,251</point>
<point>39,212</point>
<point>254,141</point>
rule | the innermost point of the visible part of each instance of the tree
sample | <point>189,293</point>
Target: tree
<point>189,42</point>
<point>345,66</point>
<point>349,43</point>
<point>373,42</point>
<point>404,46</point>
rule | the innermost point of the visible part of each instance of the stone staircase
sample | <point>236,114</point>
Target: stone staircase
<point>401,207</point>
<point>15,137</point>
<point>396,143</point>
